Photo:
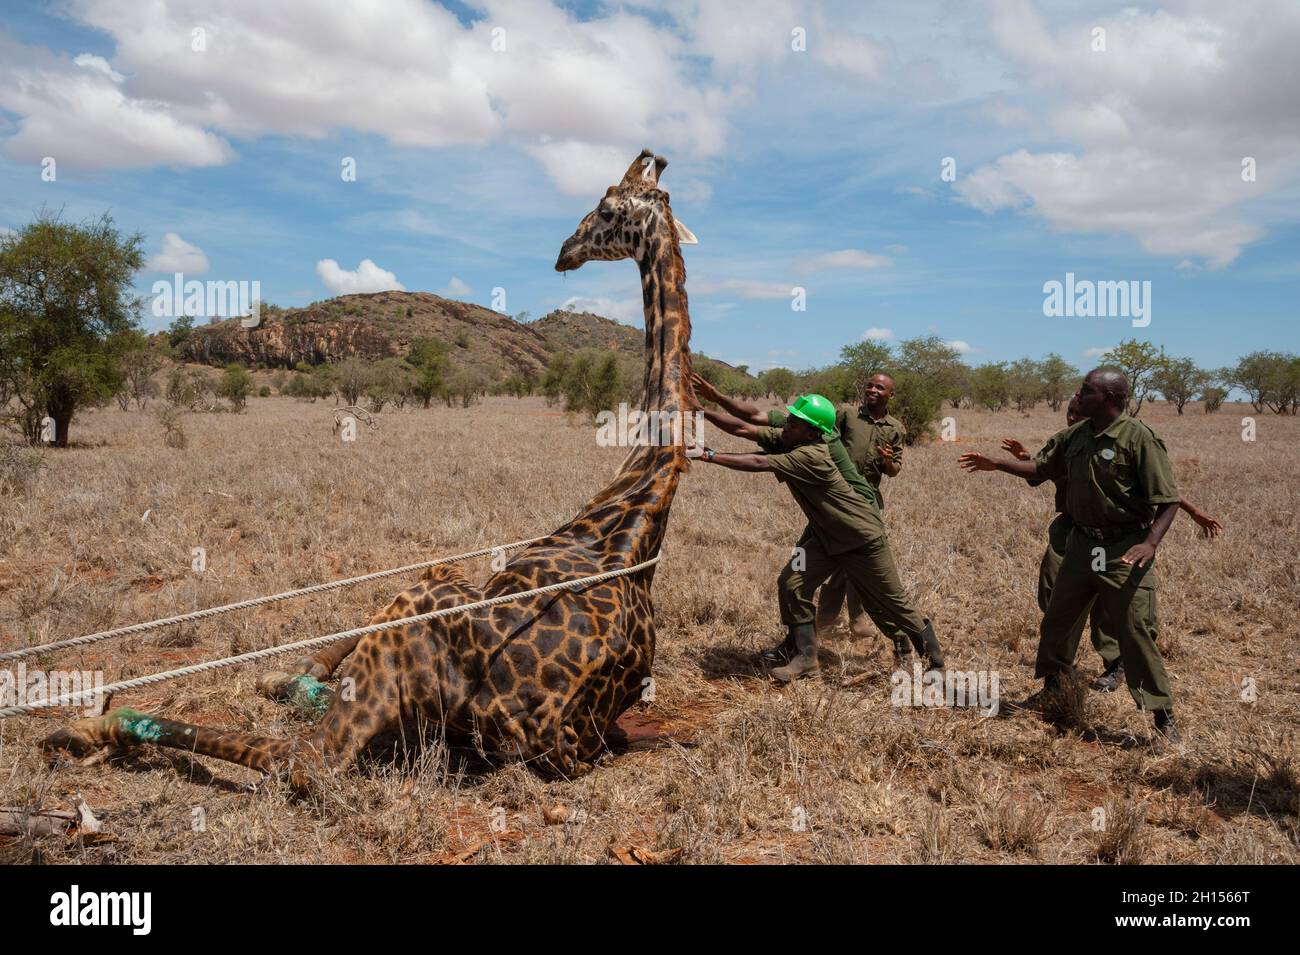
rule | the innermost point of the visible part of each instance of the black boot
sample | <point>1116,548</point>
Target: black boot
<point>926,645</point>
<point>1111,679</point>
<point>805,664</point>
<point>782,652</point>
<point>1166,728</point>
<point>902,653</point>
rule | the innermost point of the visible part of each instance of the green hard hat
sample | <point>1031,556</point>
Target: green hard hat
<point>816,410</point>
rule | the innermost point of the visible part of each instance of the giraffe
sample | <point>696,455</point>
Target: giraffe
<point>540,679</point>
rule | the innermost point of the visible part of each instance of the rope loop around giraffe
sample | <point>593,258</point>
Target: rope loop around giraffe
<point>317,642</point>
<point>255,602</point>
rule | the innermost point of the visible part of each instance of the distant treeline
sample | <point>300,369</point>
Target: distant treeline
<point>70,338</point>
<point>928,374</point>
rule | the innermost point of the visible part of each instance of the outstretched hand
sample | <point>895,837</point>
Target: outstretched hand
<point>703,388</point>
<point>1208,525</point>
<point>1015,448</point>
<point>974,461</point>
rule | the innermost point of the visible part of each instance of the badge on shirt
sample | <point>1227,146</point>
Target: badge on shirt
<point>1108,453</point>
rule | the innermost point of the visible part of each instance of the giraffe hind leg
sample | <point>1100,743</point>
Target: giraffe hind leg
<point>302,688</point>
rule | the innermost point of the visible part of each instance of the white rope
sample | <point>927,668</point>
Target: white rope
<point>316,642</point>
<point>254,602</point>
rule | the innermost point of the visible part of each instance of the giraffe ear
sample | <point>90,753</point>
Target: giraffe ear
<point>684,235</point>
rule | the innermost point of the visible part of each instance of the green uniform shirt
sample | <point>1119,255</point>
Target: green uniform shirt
<point>861,434</point>
<point>1111,479</point>
<point>1047,450</point>
<point>842,518</point>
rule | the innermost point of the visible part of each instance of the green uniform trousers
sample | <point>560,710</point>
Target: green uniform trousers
<point>1127,599</point>
<point>1058,535</point>
<point>871,575</point>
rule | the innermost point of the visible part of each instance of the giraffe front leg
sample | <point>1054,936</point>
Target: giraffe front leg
<point>125,728</point>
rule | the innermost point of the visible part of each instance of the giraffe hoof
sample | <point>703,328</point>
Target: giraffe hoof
<point>274,685</point>
<point>81,739</point>
<point>303,692</point>
<point>308,666</point>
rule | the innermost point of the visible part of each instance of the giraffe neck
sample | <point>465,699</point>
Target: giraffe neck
<point>667,323</point>
<point>630,516</point>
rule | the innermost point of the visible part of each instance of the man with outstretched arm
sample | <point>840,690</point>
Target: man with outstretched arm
<point>1058,535</point>
<point>844,533</point>
<point>873,440</point>
<point>1121,496</point>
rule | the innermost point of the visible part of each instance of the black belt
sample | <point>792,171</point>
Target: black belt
<point>1114,532</point>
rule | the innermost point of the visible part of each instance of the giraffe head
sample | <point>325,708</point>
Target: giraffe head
<point>630,215</point>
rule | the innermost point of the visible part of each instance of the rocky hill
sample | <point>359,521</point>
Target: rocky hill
<point>383,324</point>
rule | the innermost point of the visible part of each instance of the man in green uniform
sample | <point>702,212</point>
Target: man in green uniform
<point>844,532</point>
<point>1058,535</point>
<point>874,440</point>
<point>1121,496</point>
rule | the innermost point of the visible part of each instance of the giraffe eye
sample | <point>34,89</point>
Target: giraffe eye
<point>607,214</point>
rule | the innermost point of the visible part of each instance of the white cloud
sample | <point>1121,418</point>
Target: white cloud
<point>1159,122</point>
<point>100,65</point>
<point>629,311</point>
<point>844,259</point>
<point>580,169</point>
<point>960,347</point>
<point>177,255</point>
<point>76,112</point>
<point>367,277</point>
<point>1096,351</point>
<point>570,89</point>
<point>456,289</point>
<point>877,334</point>
<point>405,70</point>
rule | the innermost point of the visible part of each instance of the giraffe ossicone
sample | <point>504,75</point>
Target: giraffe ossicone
<point>541,678</point>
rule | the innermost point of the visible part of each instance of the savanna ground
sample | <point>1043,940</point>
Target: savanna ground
<point>278,502</point>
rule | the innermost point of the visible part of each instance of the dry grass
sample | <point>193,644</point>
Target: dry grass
<point>750,773</point>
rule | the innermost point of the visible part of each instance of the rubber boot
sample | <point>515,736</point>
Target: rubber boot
<point>782,652</point>
<point>902,653</point>
<point>927,646</point>
<point>805,664</point>
<point>1110,680</point>
<point>1166,729</point>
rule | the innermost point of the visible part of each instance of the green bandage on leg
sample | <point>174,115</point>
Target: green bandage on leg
<point>139,727</point>
<point>309,695</point>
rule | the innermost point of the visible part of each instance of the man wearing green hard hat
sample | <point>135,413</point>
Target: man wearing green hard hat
<point>874,441</point>
<point>844,532</point>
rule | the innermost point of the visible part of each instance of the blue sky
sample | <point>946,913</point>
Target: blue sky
<point>817,167</point>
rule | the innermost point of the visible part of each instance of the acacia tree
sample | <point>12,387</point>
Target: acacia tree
<point>990,385</point>
<point>66,308</point>
<point>1025,383</point>
<point>1060,380</point>
<point>1138,360</point>
<point>863,360</point>
<point>779,382</point>
<point>1179,381</point>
